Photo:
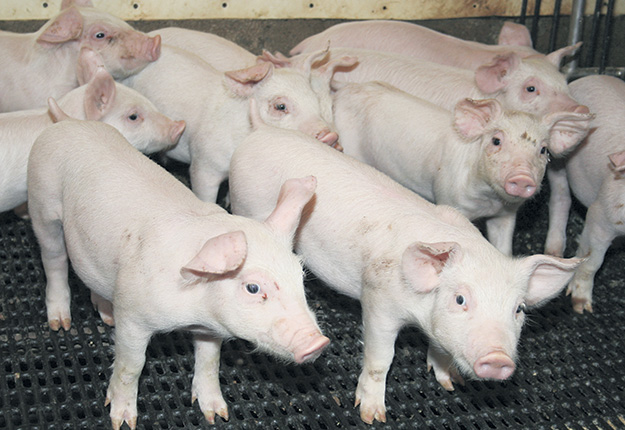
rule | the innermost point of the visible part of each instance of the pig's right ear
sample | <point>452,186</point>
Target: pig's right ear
<point>88,62</point>
<point>421,263</point>
<point>618,161</point>
<point>99,95</point>
<point>278,60</point>
<point>294,196</point>
<point>219,255</point>
<point>472,116</point>
<point>65,27</point>
<point>242,82</point>
<point>493,77</point>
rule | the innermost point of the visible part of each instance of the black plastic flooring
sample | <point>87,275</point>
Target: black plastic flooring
<point>571,372</point>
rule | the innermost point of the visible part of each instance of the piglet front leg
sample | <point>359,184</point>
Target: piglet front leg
<point>444,369</point>
<point>380,332</point>
<point>130,347</point>
<point>205,386</point>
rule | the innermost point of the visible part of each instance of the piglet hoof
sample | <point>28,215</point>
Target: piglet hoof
<point>371,412</point>
<point>581,304</point>
<point>581,300</point>
<point>211,406</point>
<point>122,411</point>
<point>58,319</point>
<point>446,377</point>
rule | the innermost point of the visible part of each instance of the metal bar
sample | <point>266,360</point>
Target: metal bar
<point>534,31</point>
<point>523,12</point>
<point>607,35</point>
<point>554,25</point>
<point>575,31</point>
<point>591,45</point>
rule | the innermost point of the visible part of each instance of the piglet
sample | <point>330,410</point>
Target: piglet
<point>523,84</point>
<point>215,107</point>
<point>480,159</point>
<point>594,173</point>
<point>140,239</point>
<point>101,99</point>
<point>426,44</point>
<point>408,261</point>
<point>39,65</point>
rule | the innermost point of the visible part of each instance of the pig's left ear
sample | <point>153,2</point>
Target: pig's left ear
<point>472,116</point>
<point>278,60</point>
<point>548,276</point>
<point>221,254</point>
<point>567,129</point>
<point>99,95</point>
<point>421,263</point>
<point>493,77</point>
<point>556,57</point>
<point>514,34</point>
<point>242,82</point>
<point>294,195</point>
<point>65,27</point>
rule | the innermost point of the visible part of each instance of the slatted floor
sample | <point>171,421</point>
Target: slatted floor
<point>571,372</point>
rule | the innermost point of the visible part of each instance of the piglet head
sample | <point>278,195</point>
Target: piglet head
<point>254,283</point>
<point>477,299</point>
<point>513,153</point>
<point>124,50</point>
<point>284,98</point>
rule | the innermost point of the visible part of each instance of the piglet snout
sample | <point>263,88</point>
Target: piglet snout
<point>495,365</point>
<point>312,349</point>
<point>520,186</point>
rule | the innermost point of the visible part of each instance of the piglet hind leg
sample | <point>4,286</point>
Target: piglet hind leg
<point>55,264</point>
<point>594,241</point>
<point>445,371</point>
<point>104,308</point>
<point>205,386</point>
<point>380,333</point>
<point>130,346</point>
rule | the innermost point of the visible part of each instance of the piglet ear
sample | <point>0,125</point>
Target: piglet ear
<point>568,129</point>
<point>278,60</point>
<point>56,113</point>
<point>493,77</point>
<point>221,254</point>
<point>327,70</point>
<point>556,57</point>
<point>242,81</point>
<point>421,263</point>
<point>88,62</point>
<point>472,116</point>
<point>99,95</point>
<point>618,161</point>
<point>514,34</point>
<point>65,27</point>
<point>294,196</point>
<point>548,276</point>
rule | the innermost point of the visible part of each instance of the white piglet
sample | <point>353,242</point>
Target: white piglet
<point>407,260</point>
<point>480,159</point>
<point>101,99</point>
<point>594,173</point>
<point>426,44</point>
<point>35,66</point>
<point>215,106</point>
<point>164,260</point>
<point>525,84</point>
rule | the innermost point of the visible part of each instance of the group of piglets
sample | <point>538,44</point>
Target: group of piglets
<point>433,136</point>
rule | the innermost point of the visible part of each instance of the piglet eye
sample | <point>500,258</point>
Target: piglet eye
<point>252,288</point>
<point>530,89</point>
<point>133,117</point>
<point>100,35</point>
<point>521,308</point>
<point>460,300</point>
<point>496,141</point>
<point>280,107</point>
